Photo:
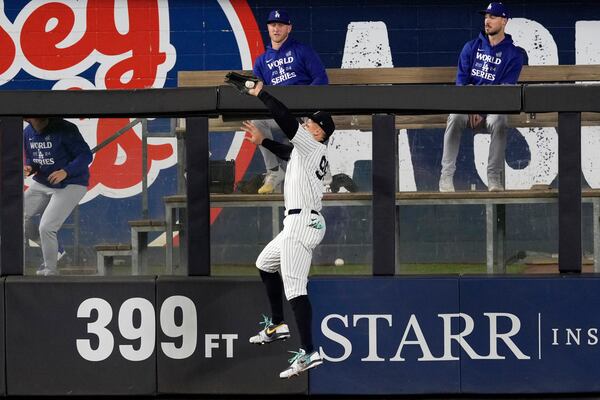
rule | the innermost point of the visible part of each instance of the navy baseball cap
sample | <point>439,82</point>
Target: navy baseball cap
<point>279,16</point>
<point>496,9</point>
<point>325,122</point>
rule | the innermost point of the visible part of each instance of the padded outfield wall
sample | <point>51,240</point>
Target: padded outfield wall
<point>151,40</point>
<point>442,335</point>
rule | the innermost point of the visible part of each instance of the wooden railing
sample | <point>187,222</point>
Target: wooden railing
<point>418,75</point>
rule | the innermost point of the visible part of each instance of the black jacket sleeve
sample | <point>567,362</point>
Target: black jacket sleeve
<point>281,150</point>
<point>284,118</point>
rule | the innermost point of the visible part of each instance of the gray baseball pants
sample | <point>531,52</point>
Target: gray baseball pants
<point>55,205</point>
<point>495,124</point>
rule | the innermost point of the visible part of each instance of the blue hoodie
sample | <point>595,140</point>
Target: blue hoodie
<point>58,146</point>
<point>481,63</point>
<point>293,64</point>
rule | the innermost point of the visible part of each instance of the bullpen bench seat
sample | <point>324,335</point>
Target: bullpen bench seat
<point>105,254</point>
<point>494,203</point>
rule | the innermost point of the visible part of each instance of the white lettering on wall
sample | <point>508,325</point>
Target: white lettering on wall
<point>587,51</point>
<point>368,46</point>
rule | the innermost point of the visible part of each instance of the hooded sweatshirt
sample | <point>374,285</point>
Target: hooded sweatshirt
<point>293,64</point>
<point>480,63</point>
<point>58,146</point>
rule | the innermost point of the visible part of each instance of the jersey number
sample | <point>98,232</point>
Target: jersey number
<point>322,168</point>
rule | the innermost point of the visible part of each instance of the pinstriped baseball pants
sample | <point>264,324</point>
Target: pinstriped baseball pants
<point>291,251</point>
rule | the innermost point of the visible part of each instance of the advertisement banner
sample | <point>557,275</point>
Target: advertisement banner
<point>532,334</point>
<point>80,336</point>
<point>385,335</point>
<point>203,347</point>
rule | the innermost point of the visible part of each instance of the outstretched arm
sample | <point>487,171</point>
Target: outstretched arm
<point>281,150</point>
<point>256,137</point>
<point>281,114</point>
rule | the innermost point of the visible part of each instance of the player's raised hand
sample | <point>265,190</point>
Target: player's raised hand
<point>256,136</point>
<point>57,176</point>
<point>256,89</point>
<point>27,170</point>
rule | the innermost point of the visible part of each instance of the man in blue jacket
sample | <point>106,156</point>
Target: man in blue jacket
<point>58,158</point>
<point>285,62</point>
<point>490,59</point>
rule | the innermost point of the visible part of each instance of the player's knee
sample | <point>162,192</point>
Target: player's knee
<point>292,291</point>
<point>497,122</point>
<point>265,267</point>
<point>47,230</point>
<point>460,119</point>
<point>294,294</point>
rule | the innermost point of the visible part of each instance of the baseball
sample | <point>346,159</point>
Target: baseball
<point>339,262</point>
<point>249,84</point>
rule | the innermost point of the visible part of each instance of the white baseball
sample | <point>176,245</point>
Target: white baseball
<point>249,84</point>
<point>339,262</point>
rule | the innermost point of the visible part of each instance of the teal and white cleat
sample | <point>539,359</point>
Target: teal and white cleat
<point>271,332</point>
<point>301,362</point>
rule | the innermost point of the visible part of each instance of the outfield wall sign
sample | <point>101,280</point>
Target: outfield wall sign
<point>476,335</point>
<point>381,335</point>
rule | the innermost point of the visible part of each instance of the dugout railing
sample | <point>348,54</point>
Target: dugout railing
<point>382,102</point>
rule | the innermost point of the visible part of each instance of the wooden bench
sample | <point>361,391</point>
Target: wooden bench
<point>105,254</point>
<point>411,75</point>
<point>415,75</point>
<point>137,249</point>
<point>494,203</point>
<point>175,208</point>
<point>139,242</point>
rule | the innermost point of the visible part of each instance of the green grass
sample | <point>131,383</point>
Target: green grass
<point>316,270</point>
<point>363,269</point>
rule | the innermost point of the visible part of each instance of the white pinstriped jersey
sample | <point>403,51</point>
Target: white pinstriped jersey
<point>303,187</point>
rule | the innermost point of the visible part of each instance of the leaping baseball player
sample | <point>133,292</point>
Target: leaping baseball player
<point>285,261</point>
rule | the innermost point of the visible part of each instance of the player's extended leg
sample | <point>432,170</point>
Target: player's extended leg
<point>496,124</point>
<point>61,204</point>
<point>35,201</point>
<point>305,232</point>
<point>455,126</point>
<point>268,263</point>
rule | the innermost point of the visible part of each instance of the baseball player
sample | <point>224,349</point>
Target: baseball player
<point>285,62</point>
<point>490,59</point>
<point>285,261</point>
<point>58,158</point>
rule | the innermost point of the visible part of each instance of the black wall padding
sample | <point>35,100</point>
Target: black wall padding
<point>11,196</point>
<point>2,341</point>
<point>570,98</point>
<point>42,329</point>
<point>401,99</point>
<point>109,103</point>
<point>225,306</point>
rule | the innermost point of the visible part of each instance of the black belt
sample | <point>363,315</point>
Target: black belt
<point>299,210</point>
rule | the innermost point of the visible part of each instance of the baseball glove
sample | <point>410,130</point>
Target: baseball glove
<point>342,180</point>
<point>242,82</point>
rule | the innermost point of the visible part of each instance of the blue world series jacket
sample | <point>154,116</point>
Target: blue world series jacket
<point>293,64</point>
<point>482,64</point>
<point>58,146</point>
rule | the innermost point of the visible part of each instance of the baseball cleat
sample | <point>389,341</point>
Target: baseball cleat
<point>46,272</point>
<point>271,332</point>
<point>273,181</point>
<point>301,362</point>
<point>61,253</point>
